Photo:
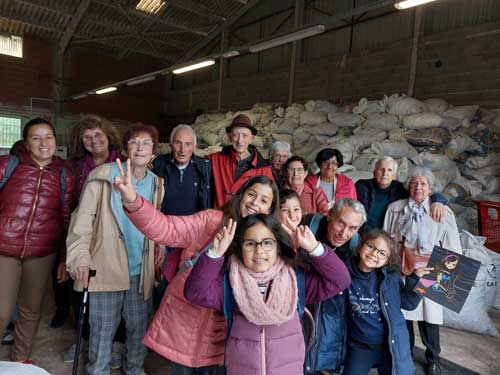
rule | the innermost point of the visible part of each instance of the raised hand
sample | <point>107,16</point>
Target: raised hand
<point>123,183</point>
<point>224,238</point>
<point>421,271</point>
<point>305,238</point>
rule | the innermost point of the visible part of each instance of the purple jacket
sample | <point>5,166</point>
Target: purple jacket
<point>265,350</point>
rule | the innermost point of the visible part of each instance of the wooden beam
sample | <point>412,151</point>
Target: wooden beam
<point>414,51</point>
<point>73,24</point>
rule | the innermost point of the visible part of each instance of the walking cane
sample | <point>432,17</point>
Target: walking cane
<point>81,315</point>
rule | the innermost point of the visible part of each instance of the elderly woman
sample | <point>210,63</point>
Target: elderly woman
<point>36,203</point>
<point>335,185</point>
<point>280,152</point>
<point>102,238</point>
<point>313,198</point>
<point>95,141</point>
<point>409,219</point>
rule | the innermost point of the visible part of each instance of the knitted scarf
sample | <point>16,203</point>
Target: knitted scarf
<point>281,302</point>
<point>417,228</point>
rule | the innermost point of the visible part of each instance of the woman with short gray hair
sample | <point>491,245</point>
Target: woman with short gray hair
<point>409,220</point>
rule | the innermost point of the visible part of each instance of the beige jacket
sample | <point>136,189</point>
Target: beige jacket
<point>95,240</point>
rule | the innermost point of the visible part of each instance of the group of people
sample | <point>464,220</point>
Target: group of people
<point>239,251</point>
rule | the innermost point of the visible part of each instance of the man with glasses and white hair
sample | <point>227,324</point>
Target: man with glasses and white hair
<point>377,193</point>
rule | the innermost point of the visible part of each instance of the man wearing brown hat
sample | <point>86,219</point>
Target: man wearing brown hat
<point>238,162</point>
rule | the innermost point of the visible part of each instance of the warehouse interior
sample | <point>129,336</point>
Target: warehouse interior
<point>420,84</point>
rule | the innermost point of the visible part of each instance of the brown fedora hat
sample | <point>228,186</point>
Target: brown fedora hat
<point>241,121</point>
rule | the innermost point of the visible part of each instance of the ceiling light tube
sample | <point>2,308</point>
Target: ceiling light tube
<point>194,66</point>
<point>105,90</point>
<point>80,96</point>
<point>138,81</point>
<point>405,4</point>
<point>297,35</point>
<point>231,53</point>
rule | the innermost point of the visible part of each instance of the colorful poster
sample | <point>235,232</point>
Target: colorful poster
<point>451,280</point>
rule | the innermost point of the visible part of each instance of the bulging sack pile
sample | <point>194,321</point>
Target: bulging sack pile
<point>459,144</point>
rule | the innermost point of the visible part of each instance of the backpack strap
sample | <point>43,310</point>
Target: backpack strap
<point>64,172</point>
<point>11,165</point>
<point>192,261</point>
<point>314,223</point>
<point>353,243</point>
<point>301,286</point>
<point>230,303</point>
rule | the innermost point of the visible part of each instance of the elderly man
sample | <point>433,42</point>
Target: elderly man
<point>238,162</point>
<point>377,193</point>
<point>280,153</point>
<point>186,176</point>
<point>339,231</point>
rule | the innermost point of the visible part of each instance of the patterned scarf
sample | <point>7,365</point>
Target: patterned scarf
<point>281,302</point>
<point>417,228</point>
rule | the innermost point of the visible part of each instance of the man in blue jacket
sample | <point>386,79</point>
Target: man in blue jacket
<point>339,231</point>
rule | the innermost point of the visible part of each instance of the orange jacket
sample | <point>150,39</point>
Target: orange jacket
<point>224,165</point>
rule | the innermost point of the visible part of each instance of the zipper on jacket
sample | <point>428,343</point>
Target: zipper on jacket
<point>263,350</point>
<point>391,341</point>
<point>33,208</point>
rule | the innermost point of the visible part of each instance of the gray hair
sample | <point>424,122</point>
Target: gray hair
<point>281,146</point>
<point>387,158</point>
<point>421,172</point>
<point>179,127</point>
<point>348,202</point>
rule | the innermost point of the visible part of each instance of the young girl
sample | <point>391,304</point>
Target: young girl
<point>378,337</point>
<point>291,211</point>
<point>266,335</point>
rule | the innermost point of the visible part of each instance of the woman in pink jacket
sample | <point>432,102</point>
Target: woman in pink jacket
<point>190,336</point>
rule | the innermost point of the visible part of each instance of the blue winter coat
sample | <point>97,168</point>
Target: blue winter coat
<point>394,296</point>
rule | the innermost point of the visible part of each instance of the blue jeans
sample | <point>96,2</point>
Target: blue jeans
<point>361,358</point>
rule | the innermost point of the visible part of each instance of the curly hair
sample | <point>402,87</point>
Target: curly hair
<point>92,121</point>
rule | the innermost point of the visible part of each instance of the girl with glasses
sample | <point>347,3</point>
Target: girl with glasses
<point>258,261</point>
<point>378,337</point>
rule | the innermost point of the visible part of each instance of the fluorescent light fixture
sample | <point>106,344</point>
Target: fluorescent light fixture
<point>405,4</point>
<point>138,81</point>
<point>296,35</point>
<point>194,66</point>
<point>229,54</point>
<point>150,6</point>
<point>80,96</point>
<point>105,90</point>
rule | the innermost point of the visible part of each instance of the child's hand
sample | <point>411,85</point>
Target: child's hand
<point>224,238</point>
<point>421,271</point>
<point>305,238</point>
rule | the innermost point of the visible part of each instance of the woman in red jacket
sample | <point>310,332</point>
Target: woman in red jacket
<point>35,206</point>
<point>335,185</point>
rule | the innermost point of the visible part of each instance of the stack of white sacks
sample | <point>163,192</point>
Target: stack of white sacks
<point>461,145</point>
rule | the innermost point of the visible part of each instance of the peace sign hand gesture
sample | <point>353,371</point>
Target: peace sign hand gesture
<point>224,238</point>
<point>305,238</point>
<point>123,183</point>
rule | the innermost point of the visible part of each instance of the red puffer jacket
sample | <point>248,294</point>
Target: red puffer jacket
<point>33,217</point>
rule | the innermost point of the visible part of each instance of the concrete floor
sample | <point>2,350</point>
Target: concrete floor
<point>476,352</point>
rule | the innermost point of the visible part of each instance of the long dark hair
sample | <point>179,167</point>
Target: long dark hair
<point>231,208</point>
<point>284,245</point>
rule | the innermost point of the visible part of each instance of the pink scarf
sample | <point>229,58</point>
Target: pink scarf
<point>281,302</point>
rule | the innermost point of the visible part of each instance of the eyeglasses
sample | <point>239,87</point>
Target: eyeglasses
<point>296,170</point>
<point>381,254</point>
<point>135,143</point>
<point>267,244</point>
<point>329,164</point>
<point>90,138</point>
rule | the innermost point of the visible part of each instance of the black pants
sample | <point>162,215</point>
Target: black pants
<point>62,293</point>
<point>362,357</point>
<point>178,369</point>
<point>429,333</point>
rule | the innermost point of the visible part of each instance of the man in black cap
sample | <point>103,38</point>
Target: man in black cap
<point>238,162</point>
